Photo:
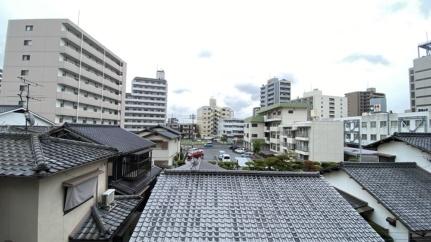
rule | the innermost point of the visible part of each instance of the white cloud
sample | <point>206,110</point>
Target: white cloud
<point>253,41</point>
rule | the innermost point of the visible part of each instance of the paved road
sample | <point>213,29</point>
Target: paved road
<point>211,153</point>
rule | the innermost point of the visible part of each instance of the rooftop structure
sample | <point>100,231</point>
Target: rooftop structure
<point>239,205</point>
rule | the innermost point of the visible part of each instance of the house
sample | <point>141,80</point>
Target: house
<point>407,147</point>
<point>168,144</point>
<point>16,115</point>
<point>365,155</point>
<point>197,205</point>
<point>48,185</point>
<point>399,194</point>
<point>131,171</point>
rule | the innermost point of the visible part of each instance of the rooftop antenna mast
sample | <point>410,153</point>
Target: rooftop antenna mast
<point>25,87</point>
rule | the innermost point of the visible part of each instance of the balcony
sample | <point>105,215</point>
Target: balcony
<point>271,118</point>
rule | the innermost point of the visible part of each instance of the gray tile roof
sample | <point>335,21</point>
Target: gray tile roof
<point>112,136</point>
<point>248,206</point>
<point>112,219</point>
<point>19,154</point>
<point>403,188</point>
<point>7,108</point>
<point>162,130</point>
<point>200,165</point>
<point>21,129</point>
<point>421,141</point>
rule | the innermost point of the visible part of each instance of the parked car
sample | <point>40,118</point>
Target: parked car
<point>234,147</point>
<point>240,150</point>
<point>247,154</point>
<point>220,154</point>
<point>208,145</point>
<point>225,158</point>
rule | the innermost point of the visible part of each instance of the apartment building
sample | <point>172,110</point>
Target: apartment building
<point>146,105</point>
<point>232,128</point>
<point>275,91</point>
<point>1,77</point>
<point>208,118</point>
<point>314,140</point>
<point>323,106</point>
<point>360,102</point>
<point>370,128</point>
<point>420,79</point>
<point>254,128</point>
<point>74,77</point>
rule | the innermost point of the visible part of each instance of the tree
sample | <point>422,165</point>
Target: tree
<point>257,146</point>
<point>285,162</point>
<point>223,138</point>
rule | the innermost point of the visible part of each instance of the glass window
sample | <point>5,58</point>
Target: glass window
<point>24,72</point>
<point>364,137</point>
<point>394,124</point>
<point>29,28</point>
<point>364,124</point>
<point>27,42</point>
<point>25,57</point>
<point>253,125</point>
<point>382,124</point>
<point>373,137</point>
<point>373,124</point>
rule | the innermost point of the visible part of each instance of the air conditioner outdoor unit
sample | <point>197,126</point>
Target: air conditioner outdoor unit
<point>108,197</point>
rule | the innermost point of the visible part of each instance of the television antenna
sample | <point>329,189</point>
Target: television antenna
<point>25,87</point>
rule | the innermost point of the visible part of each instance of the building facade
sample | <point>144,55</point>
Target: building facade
<point>1,77</point>
<point>146,105</point>
<point>275,91</point>
<point>208,118</point>
<point>74,77</point>
<point>232,128</point>
<point>188,130</point>
<point>420,80</point>
<point>254,128</point>
<point>359,102</point>
<point>323,106</point>
<point>370,128</point>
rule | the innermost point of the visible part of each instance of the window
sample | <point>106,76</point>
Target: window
<point>25,57</point>
<point>29,28</point>
<point>24,72</point>
<point>348,136</point>
<point>373,124</point>
<point>364,124</point>
<point>382,124</point>
<point>364,136</point>
<point>80,189</point>
<point>290,111</point>
<point>394,124</point>
<point>27,42</point>
<point>373,137</point>
<point>254,135</point>
<point>253,125</point>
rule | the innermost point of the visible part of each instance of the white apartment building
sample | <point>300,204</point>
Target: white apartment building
<point>370,128</point>
<point>420,79</point>
<point>74,77</point>
<point>254,127</point>
<point>275,91</point>
<point>233,128</point>
<point>208,118</point>
<point>146,105</point>
<point>324,106</point>
<point>314,140</point>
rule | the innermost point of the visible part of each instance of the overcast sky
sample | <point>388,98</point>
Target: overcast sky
<point>228,49</point>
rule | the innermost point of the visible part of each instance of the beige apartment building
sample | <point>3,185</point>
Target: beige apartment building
<point>77,79</point>
<point>324,106</point>
<point>209,116</point>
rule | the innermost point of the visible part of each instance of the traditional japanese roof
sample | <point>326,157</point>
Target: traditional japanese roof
<point>25,155</point>
<point>112,220</point>
<point>112,136</point>
<point>8,108</point>
<point>421,141</point>
<point>199,165</point>
<point>299,105</point>
<point>248,206</point>
<point>138,186</point>
<point>161,130</point>
<point>359,205</point>
<point>254,119</point>
<point>402,187</point>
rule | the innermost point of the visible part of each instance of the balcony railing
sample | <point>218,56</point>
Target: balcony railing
<point>133,167</point>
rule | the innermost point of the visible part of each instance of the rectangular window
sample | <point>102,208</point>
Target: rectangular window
<point>382,124</point>
<point>254,135</point>
<point>253,125</point>
<point>29,28</point>
<point>24,72</point>
<point>394,124</point>
<point>373,137</point>
<point>290,111</point>
<point>80,189</point>
<point>364,124</point>
<point>364,136</point>
<point>373,124</point>
<point>27,42</point>
<point>25,57</point>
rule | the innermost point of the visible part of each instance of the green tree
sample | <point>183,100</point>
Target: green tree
<point>285,162</point>
<point>257,146</point>
<point>223,138</point>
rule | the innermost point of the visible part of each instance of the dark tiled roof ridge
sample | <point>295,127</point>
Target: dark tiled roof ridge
<point>90,125</point>
<point>241,172</point>
<point>37,149</point>
<point>75,142</point>
<point>409,134</point>
<point>380,164</point>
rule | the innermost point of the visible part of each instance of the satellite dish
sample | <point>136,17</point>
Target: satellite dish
<point>30,118</point>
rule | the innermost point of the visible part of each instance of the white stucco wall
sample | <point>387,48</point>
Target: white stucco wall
<point>406,153</point>
<point>342,181</point>
<point>168,154</point>
<point>18,209</point>
<point>54,225</point>
<point>326,141</point>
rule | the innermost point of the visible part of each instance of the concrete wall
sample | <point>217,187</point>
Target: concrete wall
<point>18,209</point>
<point>298,115</point>
<point>174,147</point>
<point>406,153</point>
<point>342,181</point>
<point>326,141</point>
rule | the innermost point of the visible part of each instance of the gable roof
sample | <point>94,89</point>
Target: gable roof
<point>112,136</point>
<point>248,206</point>
<point>112,219</point>
<point>161,130</point>
<point>24,155</point>
<point>8,108</point>
<point>402,187</point>
<point>421,141</point>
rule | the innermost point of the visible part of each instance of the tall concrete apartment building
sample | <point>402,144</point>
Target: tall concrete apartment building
<point>275,91</point>
<point>1,77</point>
<point>323,106</point>
<point>78,79</point>
<point>208,118</point>
<point>146,105</point>
<point>420,80</point>
<point>361,102</point>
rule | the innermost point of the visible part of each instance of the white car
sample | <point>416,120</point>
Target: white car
<point>220,154</point>
<point>225,158</point>
<point>240,150</point>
